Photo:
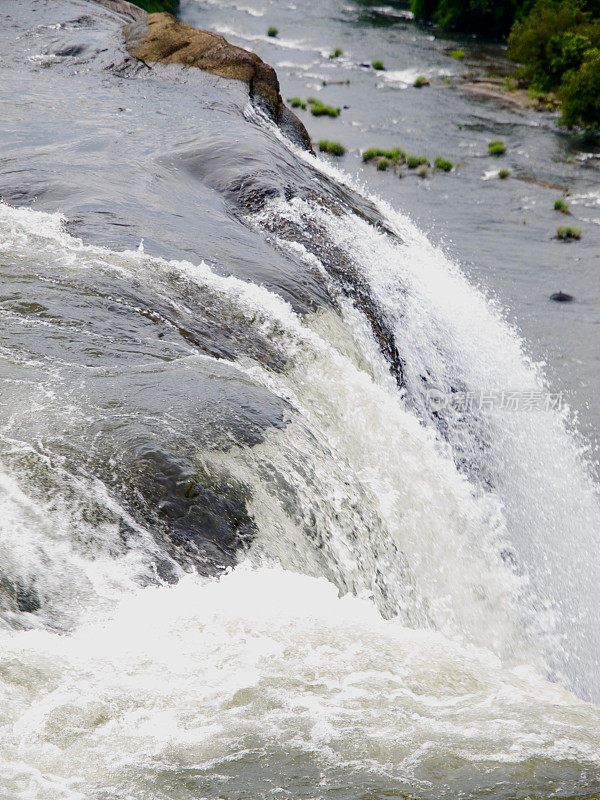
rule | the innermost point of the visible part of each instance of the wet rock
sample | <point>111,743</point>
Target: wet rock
<point>198,513</point>
<point>561,297</point>
<point>162,38</point>
<point>27,599</point>
<point>16,596</point>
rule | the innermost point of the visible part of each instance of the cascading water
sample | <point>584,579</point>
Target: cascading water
<point>352,494</point>
<point>242,554</point>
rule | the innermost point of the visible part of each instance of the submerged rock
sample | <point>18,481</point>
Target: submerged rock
<point>561,297</point>
<point>163,38</point>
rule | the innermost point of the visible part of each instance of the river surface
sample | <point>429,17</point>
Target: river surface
<point>289,507</point>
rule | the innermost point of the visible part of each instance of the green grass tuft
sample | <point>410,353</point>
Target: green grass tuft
<point>412,162</point>
<point>458,54</point>
<point>319,109</point>
<point>333,148</point>
<point>561,205</point>
<point>421,81</point>
<point>296,102</point>
<point>504,173</point>
<point>383,164</point>
<point>423,172</point>
<point>568,233</point>
<point>443,164</point>
<point>378,64</point>
<point>336,53</point>
<point>272,32</point>
<point>395,154</point>
<point>497,148</point>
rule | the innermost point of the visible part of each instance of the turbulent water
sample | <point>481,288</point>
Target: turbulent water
<point>243,554</point>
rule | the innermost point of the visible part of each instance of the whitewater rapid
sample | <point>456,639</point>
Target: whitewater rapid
<point>394,622</point>
<point>267,678</point>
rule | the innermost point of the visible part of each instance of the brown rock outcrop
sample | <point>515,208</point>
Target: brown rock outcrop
<point>163,38</point>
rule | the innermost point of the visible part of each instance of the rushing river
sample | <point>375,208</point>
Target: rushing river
<point>254,542</point>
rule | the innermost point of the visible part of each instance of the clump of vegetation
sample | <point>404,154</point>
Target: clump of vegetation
<point>336,53</point>
<point>504,174</point>
<point>412,162</point>
<point>421,81</point>
<point>497,148</point>
<point>458,54</point>
<point>395,155</point>
<point>272,32</point>
<point>378,64</point>
<point>580,93</point>
<point>333,148</point>
<point>319,109</point>
<point>558,45</point>
<point>443,164</point>
<point>296,102</point>
<point>383,164</point>
<point>561,205</point>
<point>568,233</point>
<point>423,172</point>
<point>557,42</point>
<point>156,6</point>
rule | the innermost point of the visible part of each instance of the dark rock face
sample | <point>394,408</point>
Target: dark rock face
<point>162,38</point>
<point>561,297</point>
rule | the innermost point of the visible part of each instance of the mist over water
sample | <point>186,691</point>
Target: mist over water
<point>241,554</point>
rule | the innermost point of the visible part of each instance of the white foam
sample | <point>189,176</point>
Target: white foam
<point>193,682</point>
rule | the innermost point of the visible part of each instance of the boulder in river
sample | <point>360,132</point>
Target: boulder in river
<point>163,38</point>
<point>561,297</point>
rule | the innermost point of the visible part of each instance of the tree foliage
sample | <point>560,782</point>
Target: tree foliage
<point>557,43</point>
<point>580,92</point>
<point>153,6</point>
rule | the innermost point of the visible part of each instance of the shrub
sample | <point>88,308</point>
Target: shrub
<point>443,164</point>
<point>378,64</point>
<point>458,54</point>
<point>412,162</point>
<point>504,173</point>
<point>497,148</point>
<point>561,205</point>
<point>580,93</point>
<point>272,32</point>
<point>568,233</point>
<point>334,148</point>
<point>383,164</point>
<point>421,81</point>
<point>336,53</point>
